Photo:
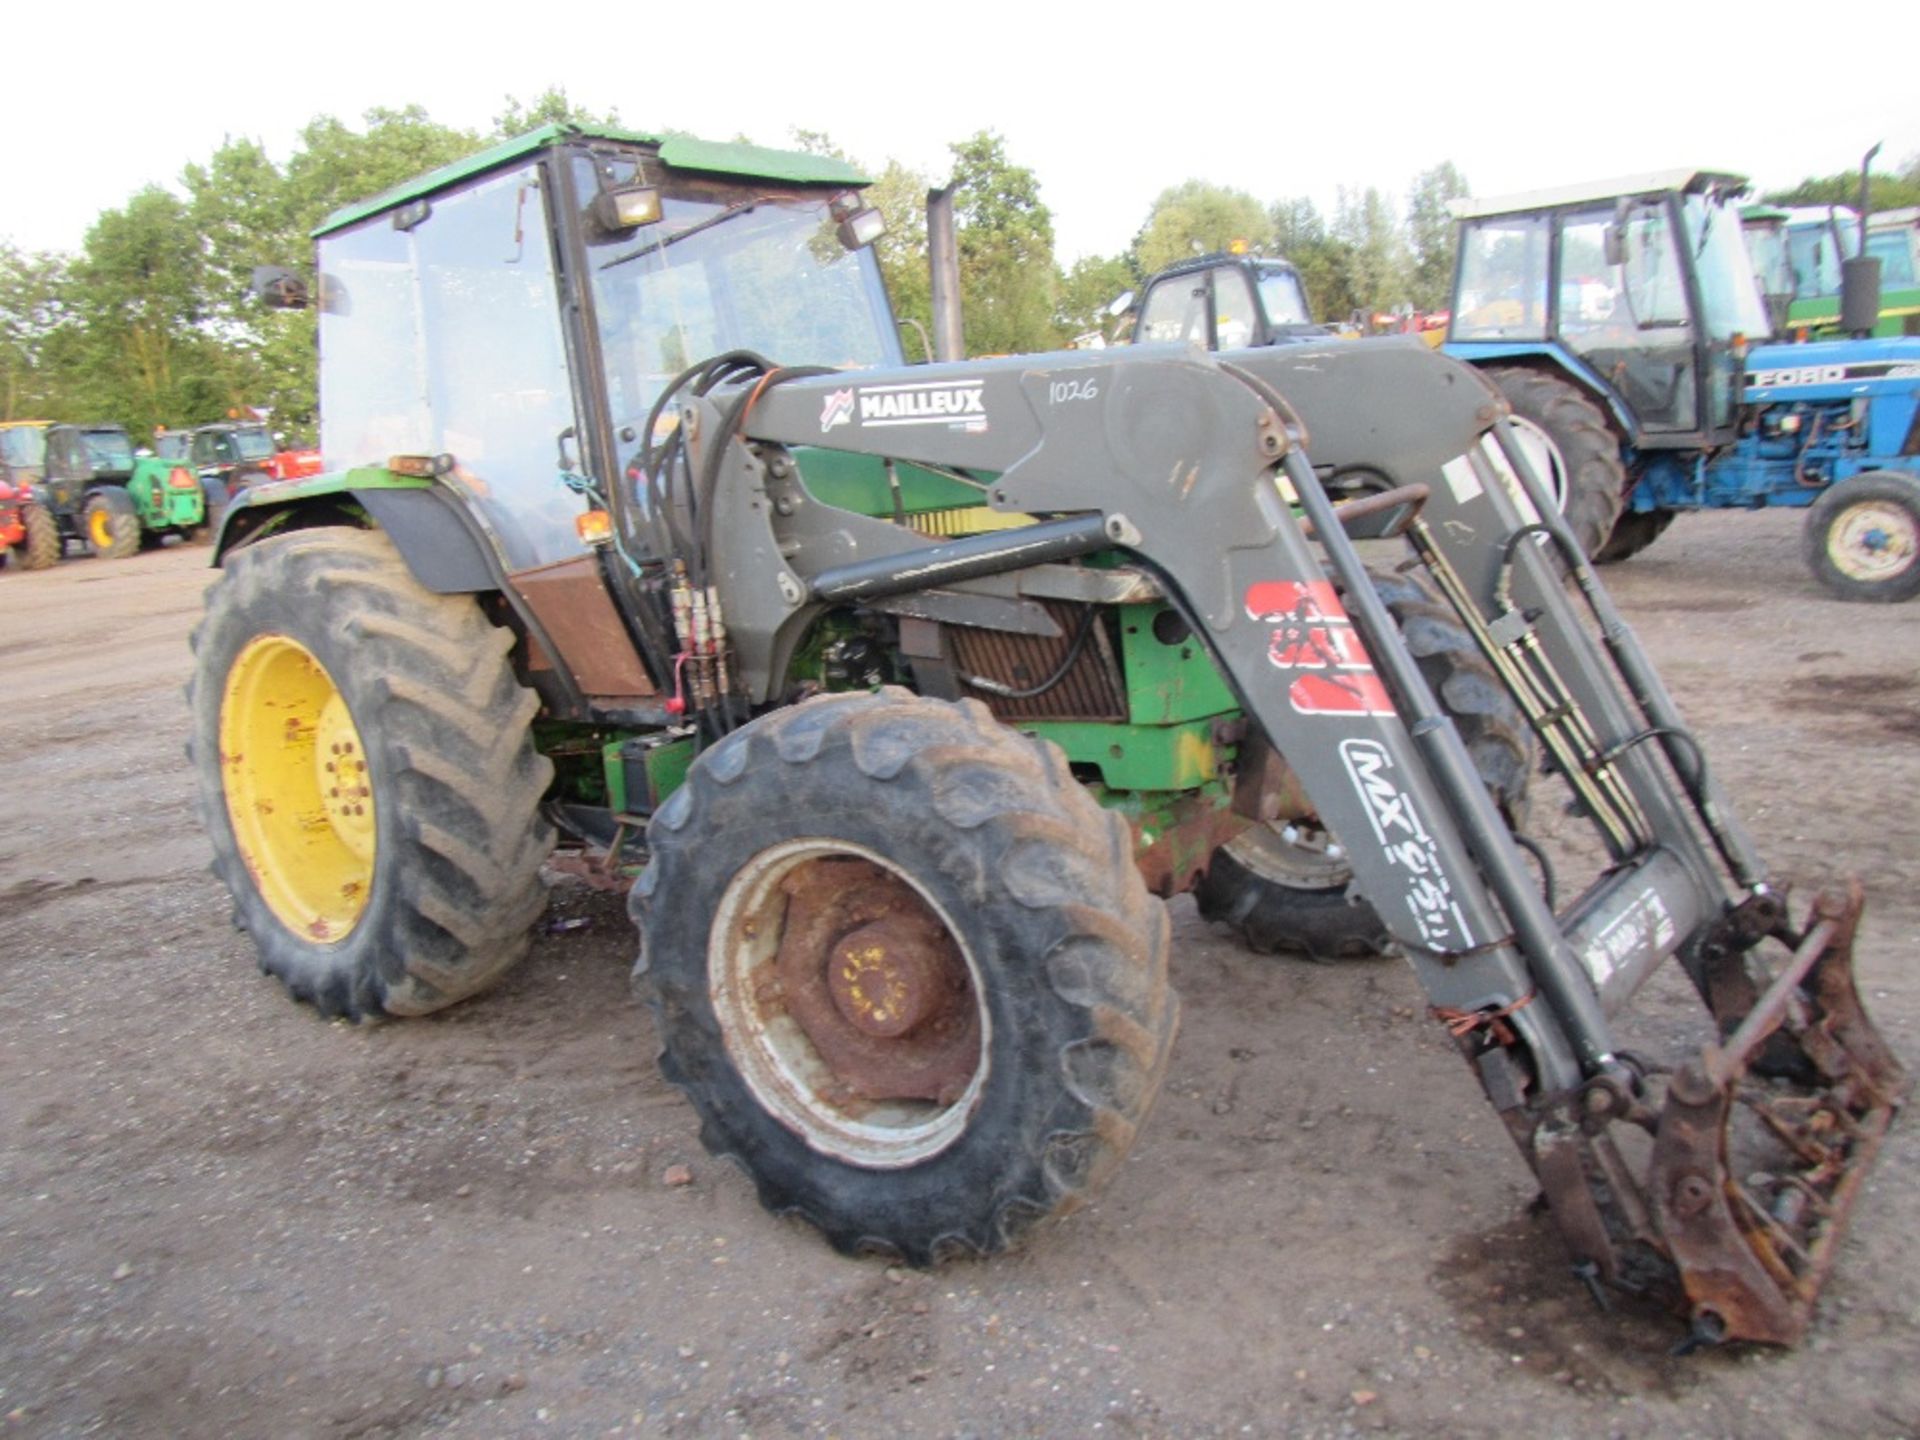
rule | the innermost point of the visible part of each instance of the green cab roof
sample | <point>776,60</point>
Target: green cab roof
<point>677,152</point>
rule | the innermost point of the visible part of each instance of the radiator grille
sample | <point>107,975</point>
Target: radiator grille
<point>1091,690</point>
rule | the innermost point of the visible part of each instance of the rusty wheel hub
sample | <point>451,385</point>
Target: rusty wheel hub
<point>848,1002</point>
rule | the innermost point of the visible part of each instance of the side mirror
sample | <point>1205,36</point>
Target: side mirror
<point>1121,305</point>
<point>1614,244</point>
<point>278,288</point>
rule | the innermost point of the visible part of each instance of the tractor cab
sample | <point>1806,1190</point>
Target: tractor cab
<point>236,454</point>
<point>523,310</point>
<point>78,455</point>
<point>1226,302</point>
<point>23,451</point>
<point>1641,289</point>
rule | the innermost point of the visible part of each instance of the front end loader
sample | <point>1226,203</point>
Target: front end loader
<point>908,691</point>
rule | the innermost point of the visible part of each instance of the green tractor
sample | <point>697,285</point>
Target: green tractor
<point>116,503</point>
<point>911,692</point>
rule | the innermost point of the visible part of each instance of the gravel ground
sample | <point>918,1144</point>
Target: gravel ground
<point>220,1214</point>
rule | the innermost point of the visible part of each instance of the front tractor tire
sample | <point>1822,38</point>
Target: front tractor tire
<point>367,775</point>
<point>906,971</point>
<point>1572,449</point>
<point>1288,887</point>
<point>111,523</point>
<point>1863,537</point>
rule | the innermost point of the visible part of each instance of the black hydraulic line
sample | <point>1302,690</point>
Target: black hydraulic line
<point>1081,634</point>
<point>1552,711</point>
<point>1729,837</point>
<point>965,559</point>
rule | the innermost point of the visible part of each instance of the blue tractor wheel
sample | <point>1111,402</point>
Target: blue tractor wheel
<point>1863,537</point>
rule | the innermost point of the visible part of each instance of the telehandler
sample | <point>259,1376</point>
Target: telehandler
<point>922,685</point>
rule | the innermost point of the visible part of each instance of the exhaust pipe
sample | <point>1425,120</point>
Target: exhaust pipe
<point>1860,272</point>
<point>943,254</point>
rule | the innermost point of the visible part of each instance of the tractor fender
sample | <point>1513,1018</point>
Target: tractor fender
<point>432,532</point>
<point>1570,365</point>
<point>441,541</point>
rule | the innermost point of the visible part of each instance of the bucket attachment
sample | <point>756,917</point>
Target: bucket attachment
<point>1816,1086</point>
<point>1760,1146</point>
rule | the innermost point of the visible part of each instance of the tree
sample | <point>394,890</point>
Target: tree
<point>1089,289</point>
<point>1005,240</point>
<point>34,321</point>
<point>1300,235</point>
<point>335,165</point>
<point>1431,234</point>
<point>137,294</point>
<point>1373,251</point>
<point>550,107</point>
<point>1196,218</point>
<point>1887,192</point>
<point>900,194</point>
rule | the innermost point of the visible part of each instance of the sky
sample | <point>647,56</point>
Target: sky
<point>1107,104</point>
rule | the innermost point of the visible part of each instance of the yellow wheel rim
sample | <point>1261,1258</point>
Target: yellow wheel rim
<point>298,790</point>
<point>100,527</point>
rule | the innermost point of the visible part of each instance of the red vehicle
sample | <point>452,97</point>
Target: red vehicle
<point>292,464</point>
<point>29,538</point>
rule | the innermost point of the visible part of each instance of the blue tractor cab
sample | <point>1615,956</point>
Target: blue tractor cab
<point>1624,325</point>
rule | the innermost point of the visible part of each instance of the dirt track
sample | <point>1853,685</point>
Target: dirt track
<point>222,1215</point>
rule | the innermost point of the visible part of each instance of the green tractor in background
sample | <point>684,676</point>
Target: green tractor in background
<point>116,503</point>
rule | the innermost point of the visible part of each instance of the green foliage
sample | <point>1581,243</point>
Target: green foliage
<point>145,353</point>
<point>550,107</point>
<point>1375,263</point>
<point>1005,242</point>
<point>1195,218</point>
<point>1090,287</point>
<point>1887,192</point>
<point>1300,235</point>
<point>34,326</point>
<point>1432,235</point>
<point>150,322</point>
<point>900,194</point>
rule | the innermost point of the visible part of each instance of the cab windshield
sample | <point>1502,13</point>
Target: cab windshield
<point>252,445</point>
<point>24,445</point>
<point>1285,301</point>
<point>108,449</point>
<point>766,274</point>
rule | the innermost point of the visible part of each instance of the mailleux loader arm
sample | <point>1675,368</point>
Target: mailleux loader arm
<point>1177,459</point>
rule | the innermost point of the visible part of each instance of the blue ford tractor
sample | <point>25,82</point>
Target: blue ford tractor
<point>1622,323</point>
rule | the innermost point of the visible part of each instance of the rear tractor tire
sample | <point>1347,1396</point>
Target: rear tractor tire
<point>906,971</point>
<point>1634,532</point>
<point>43,545</point>
<point>111,523</point>
<point>366,774</point>
<point>1863,537</point>
<point>1288,887</point>
<point>1573,450</point>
